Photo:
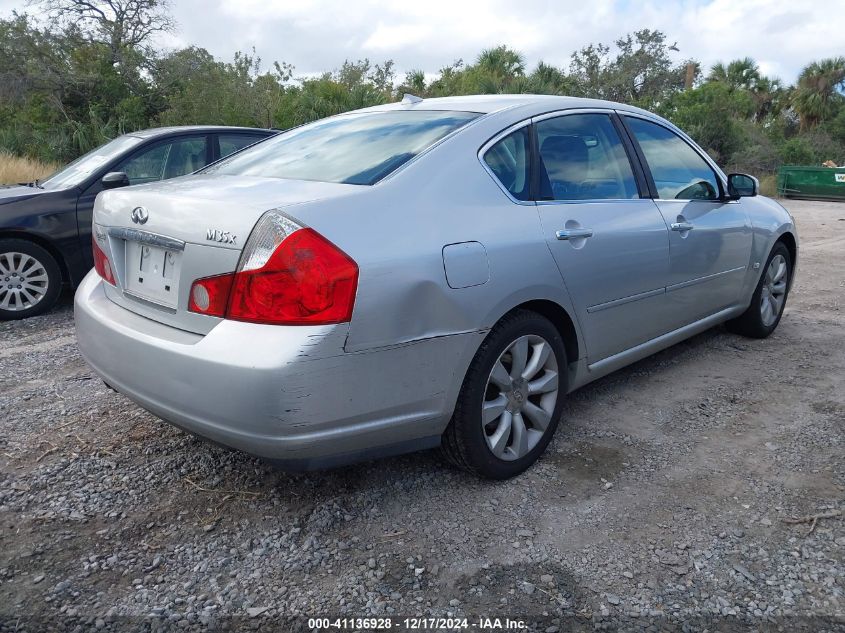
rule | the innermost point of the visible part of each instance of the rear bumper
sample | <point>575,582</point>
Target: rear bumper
<point>289,394</point>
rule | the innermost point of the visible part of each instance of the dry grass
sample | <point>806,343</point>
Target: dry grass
<point>769,185</point>
<point>15,169</point>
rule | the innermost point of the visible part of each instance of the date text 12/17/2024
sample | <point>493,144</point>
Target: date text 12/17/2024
<point>418,624</point>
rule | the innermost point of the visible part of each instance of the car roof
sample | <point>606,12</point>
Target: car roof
<point>494,103</point>
<point>181,129</point>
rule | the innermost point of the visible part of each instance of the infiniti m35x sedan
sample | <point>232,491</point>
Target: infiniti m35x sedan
<point>430,272</point>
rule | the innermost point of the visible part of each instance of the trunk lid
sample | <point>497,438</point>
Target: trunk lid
<point>161,237</point>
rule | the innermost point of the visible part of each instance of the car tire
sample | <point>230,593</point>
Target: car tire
<point>769,298</point>
<point>30,279</point>
<point>504,418</point>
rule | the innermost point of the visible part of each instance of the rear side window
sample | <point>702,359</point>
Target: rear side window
<point>679,172</point>
<point>358,149</point>
<point>583,158</point>
<point>231,143</point>
<point>509,160</point>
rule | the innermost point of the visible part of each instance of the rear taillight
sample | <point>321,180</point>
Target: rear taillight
<point>288,275</point>
<point>102,263</point>
<point>307,280</point>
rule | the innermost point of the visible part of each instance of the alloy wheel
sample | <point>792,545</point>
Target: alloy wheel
<point>773,294</point>
<point>23,281</point>
<point>520,397</point>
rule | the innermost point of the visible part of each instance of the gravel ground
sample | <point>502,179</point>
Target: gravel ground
<point>660,504</point>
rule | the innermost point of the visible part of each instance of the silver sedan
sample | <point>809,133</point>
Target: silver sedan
<point>435,272</point>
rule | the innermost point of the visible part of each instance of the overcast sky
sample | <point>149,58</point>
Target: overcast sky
<point>318,35</point>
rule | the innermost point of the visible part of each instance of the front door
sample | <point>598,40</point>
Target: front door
<point>709,237</point>
<point>610,244</point>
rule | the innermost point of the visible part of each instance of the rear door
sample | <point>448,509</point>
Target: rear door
<point>608,238</point>
<point>709,237</point>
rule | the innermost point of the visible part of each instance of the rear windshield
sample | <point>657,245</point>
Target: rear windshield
<point>358,149</point>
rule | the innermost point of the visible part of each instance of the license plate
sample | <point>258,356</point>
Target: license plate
<point>152,273</point>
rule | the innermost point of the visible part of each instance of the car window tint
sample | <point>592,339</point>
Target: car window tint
<point>146,166</point>
<point>509,161</point>
<point>583,158</point>
<point>166,160</point>
<point>679,172</point>
<point>231,143</point>
<point>358,149</point>
<point>185,157</point>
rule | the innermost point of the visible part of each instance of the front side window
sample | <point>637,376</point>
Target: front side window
<point>679,172</point>
<point>583,158</point>
<point>509,160</point>
<point>358,149</point>
<point>166,160</point>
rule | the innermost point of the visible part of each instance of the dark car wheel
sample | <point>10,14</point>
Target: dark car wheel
<point>769,299</point>
<point>30,279</point>
<point>511,399</point>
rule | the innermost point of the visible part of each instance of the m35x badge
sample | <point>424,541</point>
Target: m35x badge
<point>224,237</point>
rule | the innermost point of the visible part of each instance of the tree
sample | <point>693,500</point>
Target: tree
<point>414,84</point>
<point>62,95</point>
<point>501,62</point>
<point>816,96</point>
<point>711,114</point>
<point>354,74</point>
<point>641,73</point>
<point>90,73</point>
<point>496,70</point>
<point>123,25</point>
<point>740,73</point>
<point>199,89</point>
<point>33,60</point>
<point>744,74</point>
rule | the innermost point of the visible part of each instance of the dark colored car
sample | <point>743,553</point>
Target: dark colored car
<point>45,226</point>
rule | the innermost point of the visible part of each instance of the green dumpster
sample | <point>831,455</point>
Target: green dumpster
<point>795,181</point>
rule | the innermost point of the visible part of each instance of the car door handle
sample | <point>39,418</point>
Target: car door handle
<point>574,234</point>
<point>682,226</point>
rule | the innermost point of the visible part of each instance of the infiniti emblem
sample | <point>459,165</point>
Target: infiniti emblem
<point>140,215</point>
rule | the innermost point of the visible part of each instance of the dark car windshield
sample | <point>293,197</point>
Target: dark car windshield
<point>77,171</point>
<point>358,149</point>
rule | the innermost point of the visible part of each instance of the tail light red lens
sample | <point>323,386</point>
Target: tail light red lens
<point>307,280</point>
<point>102,263</point>
<point>288,275</point>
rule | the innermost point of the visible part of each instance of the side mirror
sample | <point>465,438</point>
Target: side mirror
<point>742,186</point>
<point>115,179</point>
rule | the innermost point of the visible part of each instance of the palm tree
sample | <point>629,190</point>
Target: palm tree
<point>740,73</point>
<point>414,83</point>
<point>547,79</point>
<point>501,62</point>
<point>814,96</point>
<point>744,74</point>
<point>768,97</point>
